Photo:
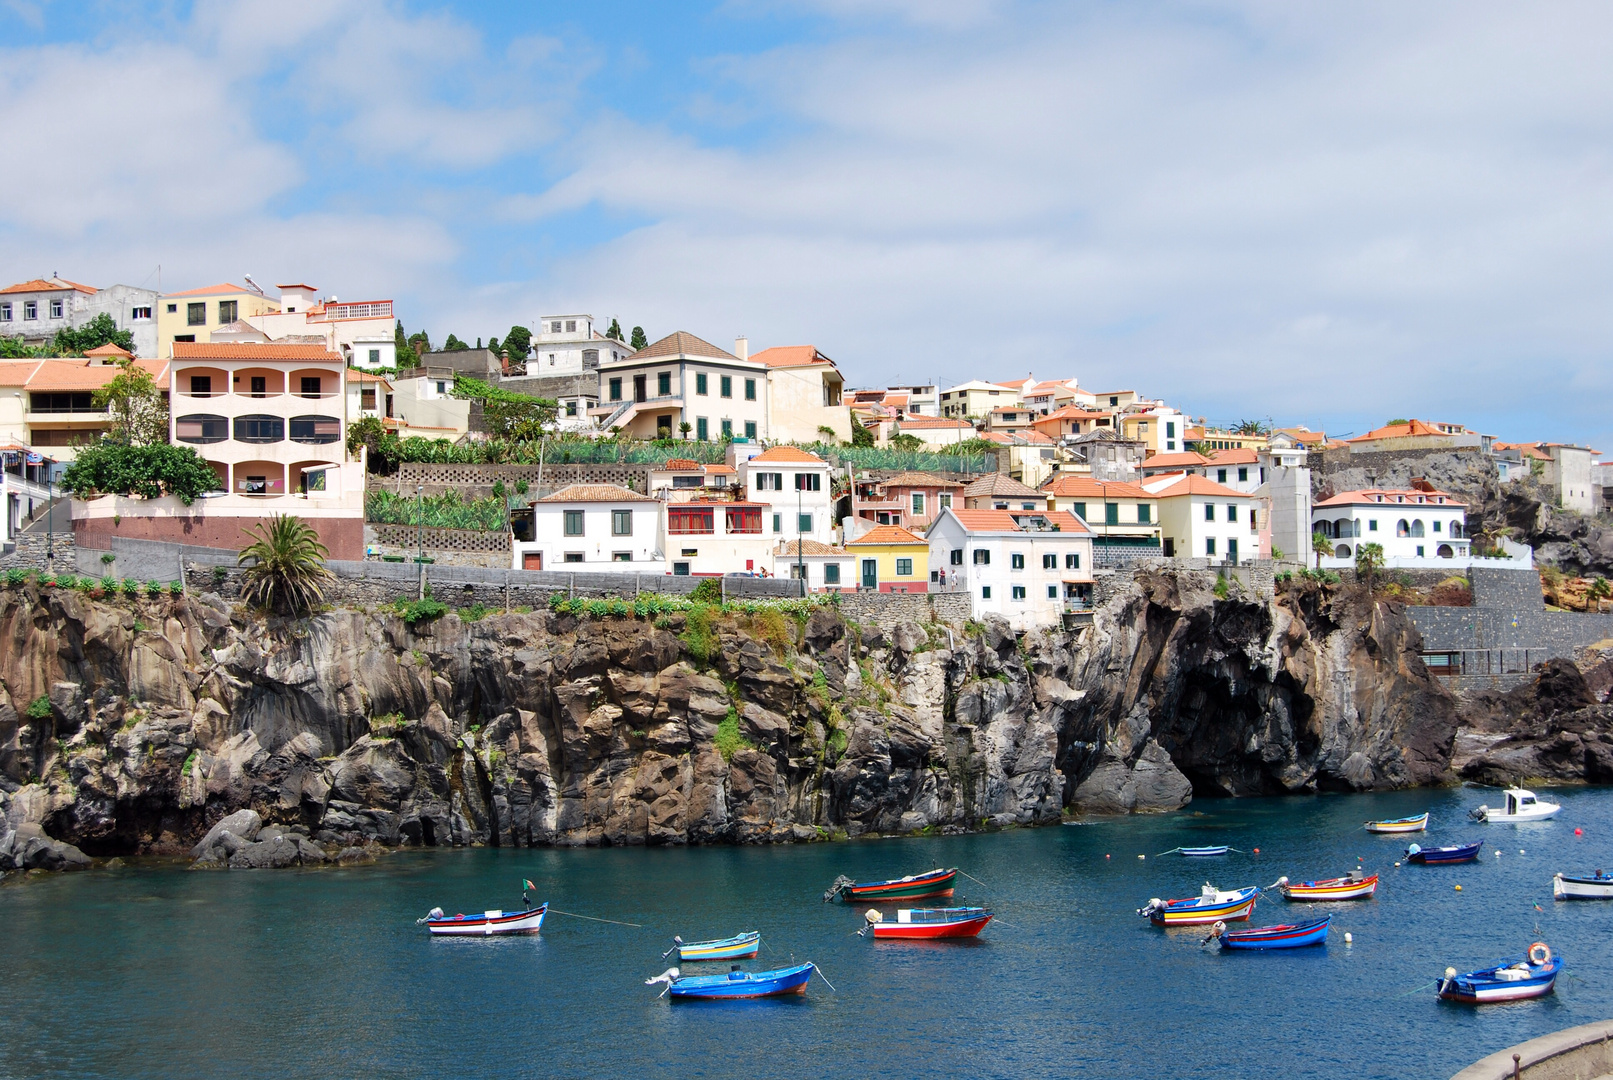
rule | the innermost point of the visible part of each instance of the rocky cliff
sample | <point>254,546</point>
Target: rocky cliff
<point>137,725</point>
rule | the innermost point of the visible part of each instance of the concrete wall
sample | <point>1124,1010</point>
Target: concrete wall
<point>344,537</point>
<point>1508,612</point>
<point>1571,1054</point>
<point>888,609</point>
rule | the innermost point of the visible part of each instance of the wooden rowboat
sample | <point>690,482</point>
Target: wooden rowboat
<point>1513,979</point>
<point>1352,887</point>
<point>487,924</point>
<point>1439,856</point>
<point>736,985</point>
<point>1210,906</point>
<point>1288,936</point>
<point>739,947</point>
<point>913,887</point>
<point>1400,825</point>
<point>927,923</point>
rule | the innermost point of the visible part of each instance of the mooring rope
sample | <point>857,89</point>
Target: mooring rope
<point>590,918</point>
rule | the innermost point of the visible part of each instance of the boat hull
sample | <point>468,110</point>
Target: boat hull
<point>1333,889</point>
<point>1501,817</point>
<point>1196,912</point>
<point>957,925</point>
<point>489,923</point>
<point>742,985</point>
<point>1291,936</point>
<point>1399,825</point>
<point>1203,852</point>
<point>738,947</point>
<point>1564,887</point>
<point>935,883</point>
<point>1481,988</point>
<point>1444,856</point>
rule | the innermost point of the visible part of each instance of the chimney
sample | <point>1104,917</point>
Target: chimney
<point>742,347</point>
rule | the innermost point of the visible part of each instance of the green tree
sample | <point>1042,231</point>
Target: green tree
<point>1368,562</point>
<point>285,565</point>
<point>493,346</point>
<point>1600,590</point>
<point>904,441</point>
<point>860,435</point>
<point>517,343</point>
<point>453,344</point>
<point>1252,427</point>
<point>385,448</point>
<point>517,417</point>
<point>420,342</point>
<point>407,357</point>
<point>150,472</point>
<point>1320,545</point>
<point>639,340</point>
<point>684,429</point>
<point>615,331</point>
<point>99,331</point>
<point>13,348</point>
<point>139,411</point>
<point>1398,420</point>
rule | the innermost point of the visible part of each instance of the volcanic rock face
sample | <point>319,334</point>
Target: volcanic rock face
<point>166,724</point>
<point>1557,726</point>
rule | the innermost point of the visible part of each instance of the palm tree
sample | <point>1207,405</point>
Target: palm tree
<point>285,565</point>
<point>1368,561</point>
<point>1320,545</point>
<point>684,429</point>
<point>1600,590</point>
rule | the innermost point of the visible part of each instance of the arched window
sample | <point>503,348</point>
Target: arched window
<point>1401,528</point>
<point>1343,551</point>
<point>1416,527</point>
<point>1456,530</point>
<point>201,428</point>
<point>1444,551</point>
<point>259,428</point>
<point>315,429</point>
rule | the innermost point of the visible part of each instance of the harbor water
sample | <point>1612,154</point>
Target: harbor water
<point>153,970</point>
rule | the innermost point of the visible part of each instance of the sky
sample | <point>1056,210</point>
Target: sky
<point>1325,214</point>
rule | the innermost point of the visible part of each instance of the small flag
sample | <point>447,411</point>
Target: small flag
<point>525,884</point>
<point>1539,908</point>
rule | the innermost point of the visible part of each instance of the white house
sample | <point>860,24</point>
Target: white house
<point>827,568</point>
<point>35,310</point>
<point>363,332</point>
<point>683,380</point>
<point>1200,519</point>
<point>1417,527</point>
<point>805,394</point>
<point>1027,566</point>
<point>569,345</point>
<point>593,527</point>
<point>796,490</point>
<point>1240,470</point>
<point>369,396</point>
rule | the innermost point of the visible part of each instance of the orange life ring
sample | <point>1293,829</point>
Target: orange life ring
<point>1540,953</point>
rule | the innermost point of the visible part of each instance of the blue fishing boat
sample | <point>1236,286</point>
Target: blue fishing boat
<point>735,985</point>
<point>1439,856</point>
<point>1513,979</point>
<point>1211,905</point>
<point>739,947</point>
<point>1287,936</point>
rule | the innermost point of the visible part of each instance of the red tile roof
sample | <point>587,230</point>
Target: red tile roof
<point>927,422</point>
<point>1188,460</point>
<point>1003,521</point>
<point>1387,496</point>
<point>1165,487</point>
<point>40,285</point>
<point>1399,431</point>
<point>809,547</point>
<point>1243,455</point>
<point>790,454</point>
<point>211,290</point>
<point>917,479</point>
<point>74,374</point>
<point>1066,487</point>
<point>251,350</point>
<point>1072,412</point>
<point>1001,485</point>
<point>680,343</point>
<point>109,349</point>
<point>791,356</point>
<point>594,493</point>
<point>888,534</point>
<point>679,464</point>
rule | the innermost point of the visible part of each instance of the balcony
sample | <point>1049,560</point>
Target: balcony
<point>368,309</point>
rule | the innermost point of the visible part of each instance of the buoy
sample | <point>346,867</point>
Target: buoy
<point>1397,864</point>
<point>1142,856</point>
<point>1520,851</point>
<point>1106,856</point>
<point>1498,853</point>
<point>1578,831</point>
<point>1458,888</point>
<point>1348,939</point>
<point>1450,973</point>
<point>1257,851</point>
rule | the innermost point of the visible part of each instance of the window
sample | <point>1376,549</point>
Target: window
<point>316,429</point>
<point>55,309</point>
<point>680,569</point>
<point>5,312</point>
<point>1017,592</point>
<point>310,386</point>
<point>1111,513</point>
<point>184,337</point>
<point>769,481</point>
<point>259,429</point>
<point>944,501</point>
<point>808,482</point>
<point>1220,476</point>
<point>375,356</point>
<point>590,358</point>
<point>201,386</point>
<point>956,558</point>
<point>700,383</point>
<point>1402,528</point>
<point>1050,562</point>
<point>1372,525</point>
<point>1145,513</point>
<point>918,504</point>
<point>778,523</point>
<point>663,384</point>
<point>750,430</point>
<point>831,573</point>
<point>728,428</point>
<point>803,522</point>
<point>1209,545</point>
<point>227,310</point>
<point>571,326</point>
<point>621,556</point>
<point>1170,429</point>
<point>1209,511</point>
<point>30,309</point>
<point>573,556</point>
<point>255,485</point>
<point>688,481</point>
<point>663,426</point>
<point>1052,592</point>
<point>985,592</point>
<point>1232,512</point>
<point>1417,527</point>
<point>201,428</point>
<point>1016,561</point>
<point>1243,474</point>
<point>260,385</point>
<point>725,386</point>
<point>1079,510</point>
<point>555,327</point>
<point>690,521</point>
<point>982,556</point>
<point>573,522</point>
<point>571,408</point>
<point>702,429</point>
<point>1419,551</point>
<point>196,314</point>
<point>366,397</point>
<point>1072,561</point>
<point>621,523</point>
<point>1436,526</point>
<point>616,389</point>
<point>750,389</point>
<point>689,553</point>
<point>904,567</point>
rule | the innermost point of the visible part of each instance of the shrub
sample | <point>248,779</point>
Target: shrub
<point>16,577</point>
<point>700,633</point>
<point>109,583</point>
<point>773,629</point>
<point>148,471</point>
<point>285,565</point>
<point>1221,587</point>
<point>709,591</point>
<point>835,744</point>
<point>729,741</point>
<point>419,611</point>
<point>176,588</point>
<point>131,587</point>
<point>39,708</point>
<point>153,589</point>
<point>474,613</point>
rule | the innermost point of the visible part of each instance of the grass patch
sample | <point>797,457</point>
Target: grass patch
<point>729,741</point>
<point>419,611</point>
<point>772,628</point>
<point>190,763</point>
<point>699,635</point>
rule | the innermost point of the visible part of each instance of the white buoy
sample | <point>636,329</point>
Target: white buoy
<point>1142,856</point>
<point>1520,851</point>
<point>1348,939</point>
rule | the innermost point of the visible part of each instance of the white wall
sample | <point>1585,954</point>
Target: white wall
<point>1397,550</point>
<point>1181,517</point>
<point>1036,608</point>
<point>598,546</point>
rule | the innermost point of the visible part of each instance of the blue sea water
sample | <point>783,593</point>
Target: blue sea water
<point>156,971</point>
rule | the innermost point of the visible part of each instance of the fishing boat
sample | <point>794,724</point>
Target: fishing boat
<point>1287,936</point>
<point>927,923</point>
<point>1355,886</point>
<point>1196,852</point>
<point>1438,856</point>
<point>1211,905</point>
<point>1513,979</point>
<point>739,947</point>
<point>1400,825</point>
<point>735,985</point>
<point>486,924</point>
<point>936,882</point>
<point>1598,886</point>
<point>1521,806</point>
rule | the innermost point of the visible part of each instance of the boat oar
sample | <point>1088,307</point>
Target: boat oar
<point>821,975</point>
<point>590,918</point>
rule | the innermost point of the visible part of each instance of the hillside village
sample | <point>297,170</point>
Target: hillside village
<point>575,449</point>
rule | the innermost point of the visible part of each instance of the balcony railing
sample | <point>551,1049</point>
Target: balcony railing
<point>369,309</point>
<point>257,396</point>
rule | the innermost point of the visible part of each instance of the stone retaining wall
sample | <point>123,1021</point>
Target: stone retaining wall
<point>30,551</point>
<point>888,609</point>
<point>409,538</point>
<point>476,481</point>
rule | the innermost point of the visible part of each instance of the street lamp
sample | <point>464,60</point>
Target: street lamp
<point>800,555</point>
<point>50,523</point>
<point>420,535</point>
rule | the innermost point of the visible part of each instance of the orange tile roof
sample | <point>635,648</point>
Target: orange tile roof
<point>1187,460</point>
<point>211,290</point>
<point>1072,412</point>
<point>1299,436</point>
<point>1399,431</point>
<point>74,374</point>
<point>1243,455</point>
<point>1388,496</point>
<point>1192,484</point>
<point>789,453</point>
<point>594,493</point>
<point>1082,486</point>
<point>298,285</point>
<point>809,547</point>
<point>680,343</point>
<point>360,375</point>
<point>790,356</point>
<point>917,479</point>
<point>1003,521</point>
<point>720,470</point>
<point>1002,485</point>
<point>926,422</point>
<point>679,464</point>
<point>888,534</point>
<point>251,350</point>
<point>41,285</point>
<point>109,349</point>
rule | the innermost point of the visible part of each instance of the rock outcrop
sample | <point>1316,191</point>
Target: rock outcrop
<point>1558,726</point>
<point>180,724</point>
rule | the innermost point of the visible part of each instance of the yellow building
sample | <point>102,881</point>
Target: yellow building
<point>195,314</point>
<point>891,559</point>
<point>1161,431</point>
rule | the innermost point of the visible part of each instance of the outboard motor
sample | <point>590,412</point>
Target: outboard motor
<point>1152,906</point>
<point>434,913</point>
<point>839,886</point>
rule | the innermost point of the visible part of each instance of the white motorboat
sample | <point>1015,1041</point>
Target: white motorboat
<point>1521,806</point>
<point>1598,886</point>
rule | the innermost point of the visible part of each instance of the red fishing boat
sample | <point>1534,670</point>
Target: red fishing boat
<point>927,923</point>
<point>913,887</point>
